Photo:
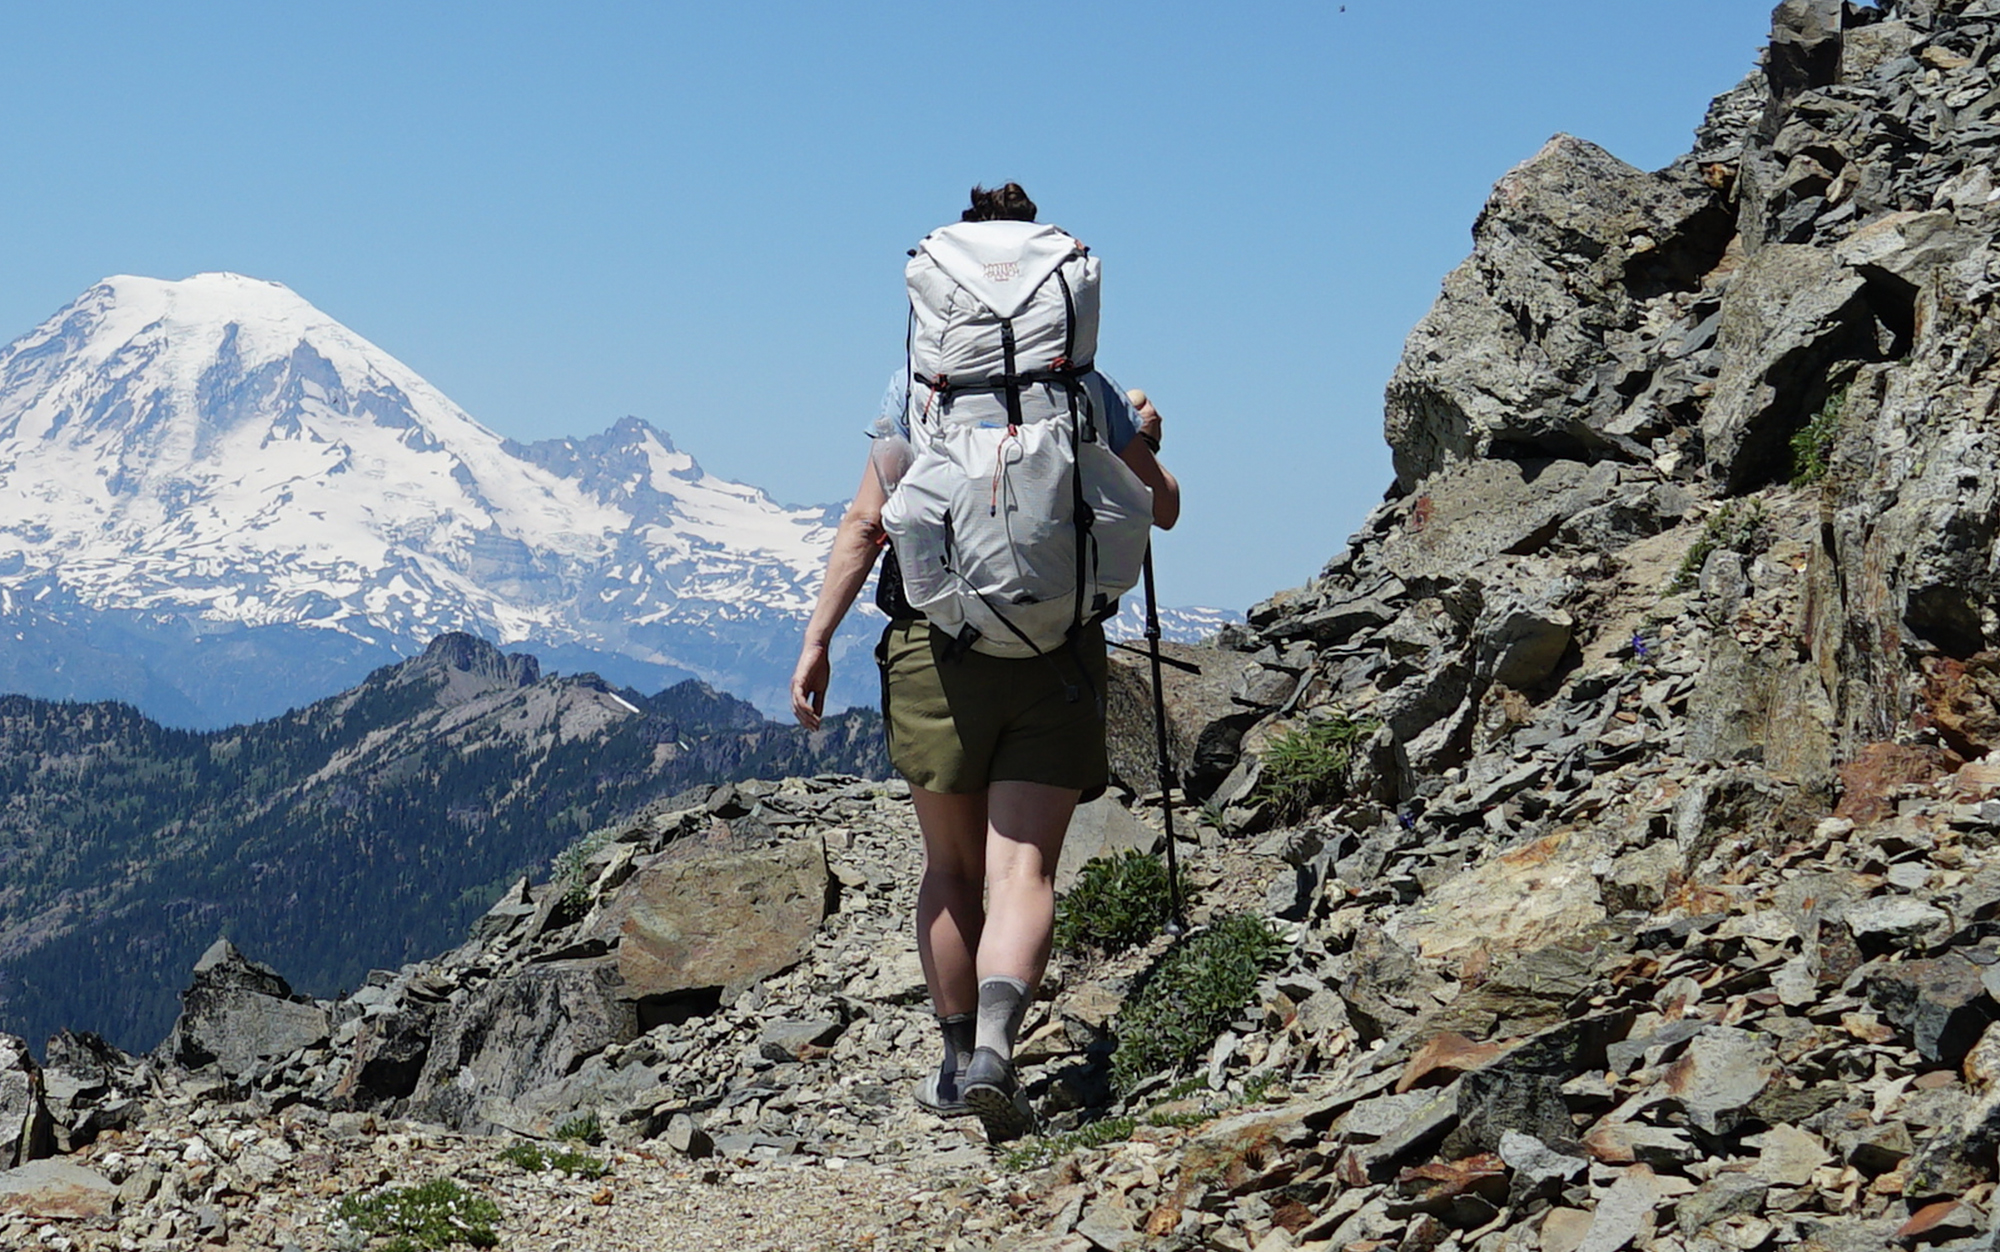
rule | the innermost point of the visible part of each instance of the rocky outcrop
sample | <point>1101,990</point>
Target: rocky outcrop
<point>1522,353</point>
<point>655,925</point>
<point>90,1087</point>
<point>239,1016</point>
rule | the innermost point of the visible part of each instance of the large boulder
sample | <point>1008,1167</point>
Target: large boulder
<point>1521,634</point>
<point>1514,902</point>
<point>1511,354</point>
<point>519,1032</point>
<point>239,1015</point>
<point>696,919</point>
<point>1101,828</point>
<point>1763,705</point>
<point>90,1087</point>
<point>387,1055</point>
<point>619,1091</point>
<point>57,1191</point>
<point>1205,722</point>
<point>1805,46</point>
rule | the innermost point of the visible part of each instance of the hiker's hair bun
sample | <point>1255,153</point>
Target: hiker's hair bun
<point>1002,204</point>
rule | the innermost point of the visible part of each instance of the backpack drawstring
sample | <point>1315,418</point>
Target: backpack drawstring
<point>1000,469</point>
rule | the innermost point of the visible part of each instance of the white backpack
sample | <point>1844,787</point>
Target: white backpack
<point>1014,524</point>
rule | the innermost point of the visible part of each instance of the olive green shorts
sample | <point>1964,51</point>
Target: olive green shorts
<point>957,725</point>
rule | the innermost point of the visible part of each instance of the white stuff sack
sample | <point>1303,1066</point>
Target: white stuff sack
<point>983,526</point>
<point>963,280</point>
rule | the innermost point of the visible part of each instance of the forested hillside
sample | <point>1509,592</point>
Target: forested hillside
<point>359,832</point>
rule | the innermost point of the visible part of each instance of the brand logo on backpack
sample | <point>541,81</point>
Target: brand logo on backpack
<point>1002,271</point>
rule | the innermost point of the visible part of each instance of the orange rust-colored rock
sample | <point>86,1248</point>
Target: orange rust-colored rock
<point>1442,1181</point>
<point>1868,782</point>
<point>1964,701</point>
<point>1977,780</point>
<point>1444,1058</point>
<point>1933,1222</point>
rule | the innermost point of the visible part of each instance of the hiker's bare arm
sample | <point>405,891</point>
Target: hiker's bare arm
<point>855,547</point>
<point>1139,455</point>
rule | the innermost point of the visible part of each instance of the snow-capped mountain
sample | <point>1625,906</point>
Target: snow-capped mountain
<point>218,502</point>
<point>1176,625</point>
<point>216,463</point>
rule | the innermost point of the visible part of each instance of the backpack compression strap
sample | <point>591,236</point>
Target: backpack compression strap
<point>1060,374</point>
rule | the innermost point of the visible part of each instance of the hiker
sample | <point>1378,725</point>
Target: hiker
<point>998,749</point>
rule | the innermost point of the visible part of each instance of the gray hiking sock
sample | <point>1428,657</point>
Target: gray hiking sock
<point>1003,1002</point>
<point>958,1040</point>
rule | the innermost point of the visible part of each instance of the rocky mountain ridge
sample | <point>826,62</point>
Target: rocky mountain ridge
<point>1651,900</point>
<point>365,829</point>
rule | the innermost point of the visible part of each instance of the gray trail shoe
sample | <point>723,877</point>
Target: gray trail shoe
<point>943,1094</point>
<point>996,1098</point>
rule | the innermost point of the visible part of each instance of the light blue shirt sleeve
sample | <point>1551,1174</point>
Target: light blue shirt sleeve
<point>1121,424</point>
<point>1108,400</point>
<point>895,404</point>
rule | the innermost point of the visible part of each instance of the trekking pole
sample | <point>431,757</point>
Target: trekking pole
<point>1176,921</point>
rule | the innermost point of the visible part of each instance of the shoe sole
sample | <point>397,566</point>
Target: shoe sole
<point>997,1112</point>
<point>946,1110</point>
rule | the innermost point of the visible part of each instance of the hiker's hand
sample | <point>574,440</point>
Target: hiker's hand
<point>809,682</point>
<point>1149,418</point>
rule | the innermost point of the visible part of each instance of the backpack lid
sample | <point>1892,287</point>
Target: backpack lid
<point>1002,263</point>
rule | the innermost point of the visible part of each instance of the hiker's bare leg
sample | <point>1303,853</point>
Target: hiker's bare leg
<point>1026,823</point>
<point>950,917</point>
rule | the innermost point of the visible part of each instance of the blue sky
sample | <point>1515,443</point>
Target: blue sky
<point>698,213</point>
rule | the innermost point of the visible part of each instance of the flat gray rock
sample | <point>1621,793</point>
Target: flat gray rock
<point>1720,1075</point>
<point>56,1189</point>
<point>1623,1212</point>
<point>1893,919</point>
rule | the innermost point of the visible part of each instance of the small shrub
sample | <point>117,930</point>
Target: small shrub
<point>586,1129</point>
<point>1185,1088</point>
<point>1182,1120</point>
<point>1117,902</point>
<point>1737,529</point>
<point>566,871</point>
<point>435,1214</point>
<point>1192,995</point>
<point>1046,1150</point>
<point>535,1158</point>
<point>1309,764</point>
<point>1812,443</point>
<point>1258,1087</point>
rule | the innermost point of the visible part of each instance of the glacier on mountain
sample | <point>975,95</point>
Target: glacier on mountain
<point>221,502</point>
